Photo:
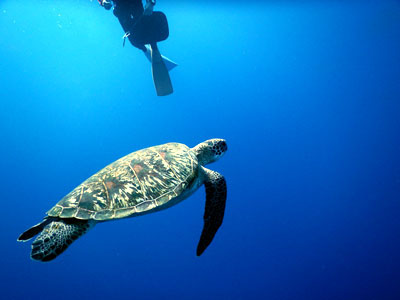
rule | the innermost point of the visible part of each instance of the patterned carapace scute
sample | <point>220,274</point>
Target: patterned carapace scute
<point>139,182</point>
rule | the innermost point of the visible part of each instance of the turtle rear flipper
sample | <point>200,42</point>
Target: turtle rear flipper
<point>215,207</point>
<point>57,236</point>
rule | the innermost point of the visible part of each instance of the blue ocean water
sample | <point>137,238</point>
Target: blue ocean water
<point>306,93</point>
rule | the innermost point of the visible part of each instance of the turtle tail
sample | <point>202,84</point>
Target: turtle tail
<point>55,236</point>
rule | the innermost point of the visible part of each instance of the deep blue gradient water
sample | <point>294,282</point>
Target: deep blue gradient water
<point>307,94</point>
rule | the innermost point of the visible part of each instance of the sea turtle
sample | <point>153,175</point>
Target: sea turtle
<point>142,182</point>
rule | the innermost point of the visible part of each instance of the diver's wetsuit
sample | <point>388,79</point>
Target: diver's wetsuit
<point>128,13</point>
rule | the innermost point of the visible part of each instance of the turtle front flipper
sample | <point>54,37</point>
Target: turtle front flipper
<point>34,230</point>
<point>215,207</point>
<point>56,236</point>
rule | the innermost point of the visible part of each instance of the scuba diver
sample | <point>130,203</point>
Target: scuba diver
<point>144,28</point>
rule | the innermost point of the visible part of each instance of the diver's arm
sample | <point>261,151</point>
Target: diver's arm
<point>148,8</point>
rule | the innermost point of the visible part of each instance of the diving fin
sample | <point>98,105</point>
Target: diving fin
<point>168,63</point>
<point>161,79</point>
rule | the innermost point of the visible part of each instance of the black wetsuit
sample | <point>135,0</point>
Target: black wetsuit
<point>128,12</point>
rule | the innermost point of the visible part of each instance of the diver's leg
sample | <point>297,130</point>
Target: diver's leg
<point>124,16</point>
<point>154,46</point>
<point>136,9</point>
<point>128,15</point>
<point>139,46</point>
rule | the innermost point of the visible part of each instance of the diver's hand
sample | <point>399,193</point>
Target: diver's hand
<point>106,4</point>
<point>148,9</point>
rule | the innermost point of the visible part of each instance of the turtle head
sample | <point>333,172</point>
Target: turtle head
<point>210,150</point>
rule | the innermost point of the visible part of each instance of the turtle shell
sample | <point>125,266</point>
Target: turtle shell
<point>137,183</point>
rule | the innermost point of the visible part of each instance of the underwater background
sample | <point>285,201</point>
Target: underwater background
<point>307,95</point>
